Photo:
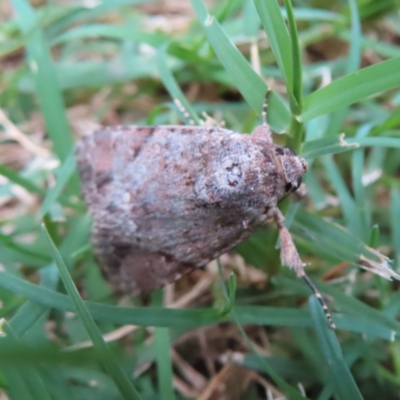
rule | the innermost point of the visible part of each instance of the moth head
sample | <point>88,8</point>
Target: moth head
<point>293,168</point>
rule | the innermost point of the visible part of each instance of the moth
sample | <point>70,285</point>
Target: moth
<point>166,200</point>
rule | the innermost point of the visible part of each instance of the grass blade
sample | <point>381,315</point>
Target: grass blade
<point>352,88</point>
<point>354,57</point>
<point>28,373</point>
<point>326,238</point>
<point>278,37</point>
<point>30,312</point>
<point>351,215</point>
<point>173,88</point>
<point>104,353</point>
<point>16,178</point>
<point>110,31</point>
<point>379,141</point>
<point>64,174</point>
<point>395,218</point>
<point>326,145</point>
<point>47,88</point>
<point>248,82</point>
<point>297,88</point>
<point>164,364</point>
<point>339,374</point>
<point>286,388</point>
<point>370,322</point>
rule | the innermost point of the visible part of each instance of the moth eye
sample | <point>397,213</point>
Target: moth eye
<point>292,188</point>
<point>279,151</point>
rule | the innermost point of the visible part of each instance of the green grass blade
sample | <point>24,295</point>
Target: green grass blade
<point>278,37</point>
<point>17,388</point>
<point>354,57</point>
<point>297,88</point>
<point>162,348</point>
<point>326,145</point>
<point>28,372</point>
<point>21,252</point>
<point>15,177</point>
<point>370,322</point>
<point>47,88</point>
<point>314,14</point>
<point>379,141</point>
<point>381,48</point>
<point>352,64</point>
<point>326,238</point>
<point>74,15</point>
<point>352,220</point>
<point>173,88</point>
<point>109,31</point>
<point>251,20</point>
<point>103,312</point>
<point>64,174</point>
<point>30,312</point>
<point>164,364</point>
<point>27,184</point>
<point>338,373</point>
<point>292,318</point>
<point>286,388</point>
<point>247,81</point>
<point>350,306</point>
<point>104,353</point>
<point>359,189</point>
<point>395,221</point>
<point>352,88</point>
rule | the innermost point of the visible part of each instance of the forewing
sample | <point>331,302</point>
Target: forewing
<point>167,200</point>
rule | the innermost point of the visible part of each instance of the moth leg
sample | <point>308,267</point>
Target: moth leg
<point>263,131</point>
<point>291,258</point>
<point>289,255</point>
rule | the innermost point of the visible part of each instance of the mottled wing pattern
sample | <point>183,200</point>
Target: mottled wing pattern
<point>166,200</point>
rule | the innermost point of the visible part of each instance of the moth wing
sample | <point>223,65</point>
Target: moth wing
<point>131,259</point>
<point>156,200</point>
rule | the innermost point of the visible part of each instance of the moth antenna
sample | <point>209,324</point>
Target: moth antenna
<point>319,297</point>
<point>265,108</point>
<point>184,112</point>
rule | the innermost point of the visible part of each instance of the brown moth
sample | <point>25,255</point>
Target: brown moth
<point>168,199</point>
